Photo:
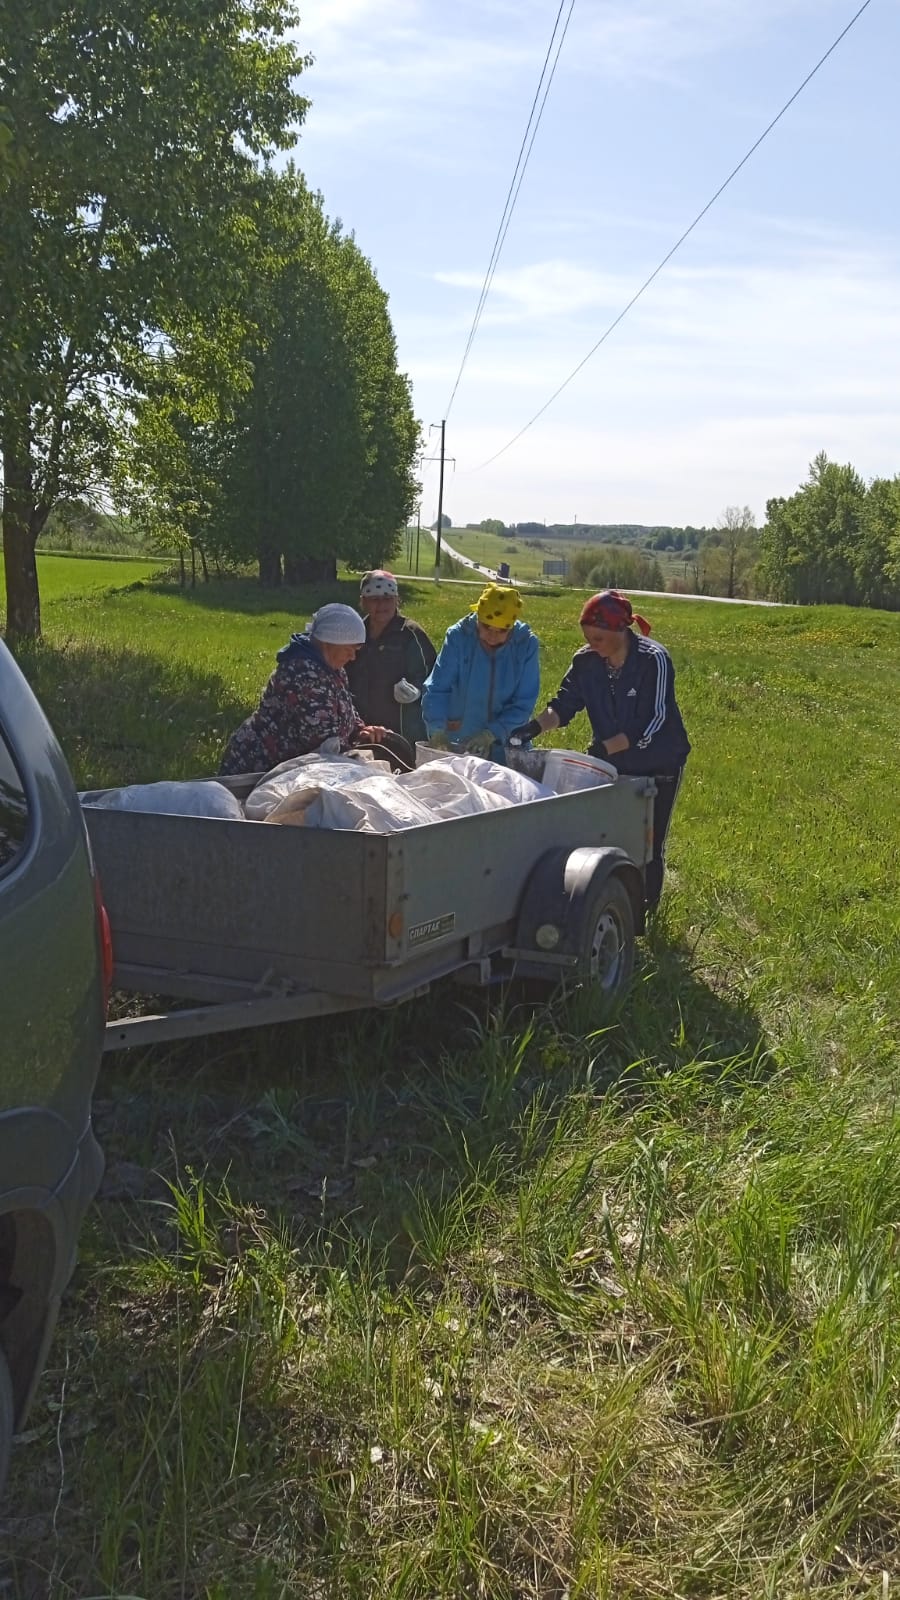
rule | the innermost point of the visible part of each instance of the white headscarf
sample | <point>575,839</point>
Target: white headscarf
<point>337,624</point>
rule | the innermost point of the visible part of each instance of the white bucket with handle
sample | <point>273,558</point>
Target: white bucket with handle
<point>565,771</point>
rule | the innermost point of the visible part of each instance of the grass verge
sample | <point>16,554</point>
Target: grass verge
<point>464,1302</point>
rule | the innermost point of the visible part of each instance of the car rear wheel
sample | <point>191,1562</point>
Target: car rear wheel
<point>6,1419</point>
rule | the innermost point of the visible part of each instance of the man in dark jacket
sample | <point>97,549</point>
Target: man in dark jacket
<point>391,668</point>
<point>626,685</point>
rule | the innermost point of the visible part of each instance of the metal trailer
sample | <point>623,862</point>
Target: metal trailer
<point>257,923</point>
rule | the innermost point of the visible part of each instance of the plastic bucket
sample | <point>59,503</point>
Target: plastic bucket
<point>565,771</point>
<point>530,763</point>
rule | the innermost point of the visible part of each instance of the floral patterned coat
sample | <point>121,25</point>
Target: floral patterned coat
<point>304,703</point>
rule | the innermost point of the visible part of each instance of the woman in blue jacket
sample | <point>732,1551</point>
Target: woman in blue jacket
<point>486,678</point>
<point>626,684</point>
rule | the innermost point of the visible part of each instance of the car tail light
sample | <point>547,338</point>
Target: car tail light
<point>105,936</point>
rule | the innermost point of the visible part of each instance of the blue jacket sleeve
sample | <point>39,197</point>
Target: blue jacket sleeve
<point>568,699</point>
<point>439,686</point>
<point>519,707</point>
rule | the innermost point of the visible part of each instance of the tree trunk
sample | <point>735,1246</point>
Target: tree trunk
<point>310,569</point>
<point>182,579</point>
<point>269,569</point>
<point>20,529</point>
<point>203,563</point>
<point>23,601</point>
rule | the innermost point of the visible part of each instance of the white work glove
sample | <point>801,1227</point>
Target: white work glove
<point>406,693</point>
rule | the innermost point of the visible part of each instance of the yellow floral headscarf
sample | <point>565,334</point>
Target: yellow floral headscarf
<point>497,606</point>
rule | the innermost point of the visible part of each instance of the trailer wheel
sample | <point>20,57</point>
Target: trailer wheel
<point>606,953</point>
<point>7,1411</point>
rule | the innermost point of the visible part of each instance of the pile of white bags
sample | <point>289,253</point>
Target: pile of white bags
<point>345,792</point>
<point>342,791</point>
<point>335,792</point>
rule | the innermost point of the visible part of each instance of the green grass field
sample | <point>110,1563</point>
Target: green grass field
<point>63,576</point>
<point>459,1302</point>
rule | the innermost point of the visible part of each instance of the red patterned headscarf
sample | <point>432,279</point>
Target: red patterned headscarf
<point>612,610</point>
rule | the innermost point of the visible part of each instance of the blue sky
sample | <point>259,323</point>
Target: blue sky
<point>774,332</point>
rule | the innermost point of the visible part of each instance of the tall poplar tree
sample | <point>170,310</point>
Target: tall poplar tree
<point>132,134</point>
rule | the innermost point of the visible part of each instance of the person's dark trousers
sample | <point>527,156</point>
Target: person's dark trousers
<point>667,786</point>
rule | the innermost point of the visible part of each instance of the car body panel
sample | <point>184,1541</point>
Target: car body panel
<point>53,1014</point>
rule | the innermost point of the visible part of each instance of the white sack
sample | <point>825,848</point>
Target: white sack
<point>497,779</point>
<point>285,786</point>
<point>375,804</point>
<point>203,799</point>
<point>319,808</point>
<point>449,794</point>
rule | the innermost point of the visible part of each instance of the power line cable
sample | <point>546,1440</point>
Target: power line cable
<point>515,184</point>
<point>485,287</point>
<point>676,246</point>
<point>536,127</point>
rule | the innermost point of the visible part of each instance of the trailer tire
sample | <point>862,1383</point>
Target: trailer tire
<point>7,1416</point>
<point>606,945</point>
<point>583,907</point>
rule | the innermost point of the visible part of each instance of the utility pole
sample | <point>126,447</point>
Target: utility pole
<point>440,529</point>
<point>418,533</point>
<point>440,511</point>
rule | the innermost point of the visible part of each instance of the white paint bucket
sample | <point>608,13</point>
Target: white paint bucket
<point>565,771</point>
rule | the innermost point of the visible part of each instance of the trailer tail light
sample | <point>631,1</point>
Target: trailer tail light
<point>104,934</point>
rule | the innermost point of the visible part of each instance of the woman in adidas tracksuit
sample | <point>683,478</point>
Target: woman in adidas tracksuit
<point>626,684</point>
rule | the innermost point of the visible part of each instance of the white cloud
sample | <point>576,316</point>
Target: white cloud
<point>376,60</point>
<point>719,386</point>
<point>659,38</point>
<point>725,378</point>
<point>542,289</point>
<point>686,472</point>
<point>379,61</point>
<point>827,318</point>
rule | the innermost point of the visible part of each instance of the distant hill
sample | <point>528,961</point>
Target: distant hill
<point>657,536</point>
<point>597,532</point>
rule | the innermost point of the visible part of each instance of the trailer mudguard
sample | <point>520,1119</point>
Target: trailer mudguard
<point>559,893</point>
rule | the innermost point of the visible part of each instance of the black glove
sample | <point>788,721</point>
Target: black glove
<point>529,730</point>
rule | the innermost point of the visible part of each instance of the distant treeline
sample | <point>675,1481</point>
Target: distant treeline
<point>835,541</point>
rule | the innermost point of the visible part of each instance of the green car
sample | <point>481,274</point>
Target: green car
<point>55,966</point>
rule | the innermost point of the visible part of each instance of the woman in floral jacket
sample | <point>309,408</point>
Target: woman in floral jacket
<point>307,699</point>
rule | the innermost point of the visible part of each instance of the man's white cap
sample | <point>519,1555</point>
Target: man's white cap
<point>337,624</point>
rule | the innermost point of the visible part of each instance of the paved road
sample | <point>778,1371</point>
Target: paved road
<point>488,572</point>
<point>457,555</point>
